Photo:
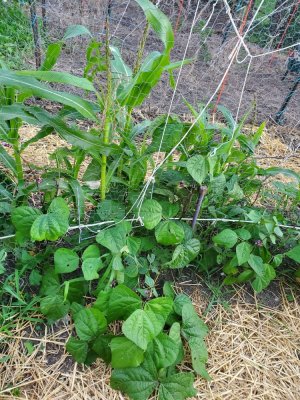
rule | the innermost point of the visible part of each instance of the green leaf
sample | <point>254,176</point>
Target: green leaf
<point>199,356</point>
<point>151,213</point>
<point>294,253</point>
<point>76,30</point>
<point>184,254</point>
<point>278,170</point>
<point>165,351</point>
<point>166,133</point>
<point>73,135</point>
<point>176,337</point>
<point>102,347</point>
<point>142,327</point>
<point>89,323</point>
<point>32,86</point>
<point>262,281</point>
<point>59,206</point>
<point>122,303</point>
<point>49,227</point>
<point>138,383</point>
<point>7,160</point>
<point>243,234</point>
<point>52,53</point>
<point>23,218</point>
<point>90,268</point>
<point>54,307</point>
<point>159,23</point>
<point>120,69</point>
<point>50,283</point>
<point>192,325</point>
<point>92,251</point>
<point>60,77</point>
<point>78,349</point>
<point>13,111</point>
<point>226,238</point>
<point>65,261</point>
<point>197,168</point>
<point>115,239</point>
<point>137,172</point>
<point>110,210</point>
<point>169,210</point>
<point>177,387</point>
<point>256,263</point>
<point>243,251</point>
<point>134,93</point>
<point>169,233</point>
<point>125,353</point>
<point>161,307</point>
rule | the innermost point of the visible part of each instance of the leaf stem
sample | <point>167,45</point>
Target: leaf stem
<point>202,193</point>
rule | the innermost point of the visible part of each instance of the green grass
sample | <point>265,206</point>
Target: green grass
<point>16,43</point>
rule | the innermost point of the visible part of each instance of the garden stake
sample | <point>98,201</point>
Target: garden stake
<point>202,193</point>
<point>279,115</point>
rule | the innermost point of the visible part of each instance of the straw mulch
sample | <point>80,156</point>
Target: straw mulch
<point>253,354</point>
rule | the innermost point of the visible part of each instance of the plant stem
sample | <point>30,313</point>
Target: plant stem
<point>107,113</point>
<point>202,193</point>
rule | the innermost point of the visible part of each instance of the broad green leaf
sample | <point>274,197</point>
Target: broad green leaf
<point>294,253</point>
<point>165,351</point>
<point>184,254</point>
<point>49,227</point>
<point>54,307</point>
<point>151,213</point>
<point>177,387</point>
<point>199,356</point>
<point>256,263</point>
<point>92,251</point>
<point>226,238</point>
<point>110,210</point>
<point>169,233</point>
<point>142,327</point>
<point>114,238</point>
<point>78,349</point>
<point>23,218</point>
<point>137,172</point>
<point>102,347</point>
<point>169,210</point>
<point>263,281</point>
<point>192,325</point>
<point>52,53</point>
<point>122,303</point>
<point>245,276</point>
<point>50,283</point>
<point>159,23</point>
<point>65,261</point>
<point>217,185</point>
<point>166,133</point>
<point>161,307</point>
<point>60,77</point>
<point>33,87</point>
<point>90,268</point>
<point>88,324</point>
<point>243,233</point>
<point>76,30</point>
<point>138,383</point>
<point>197,168</point>
<point>175,335</point>
<point>125,353</point>
<point>243,251</point>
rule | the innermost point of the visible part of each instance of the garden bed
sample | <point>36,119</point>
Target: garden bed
<point>253,354</point>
